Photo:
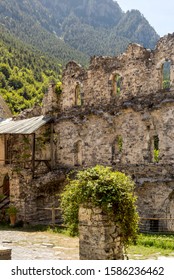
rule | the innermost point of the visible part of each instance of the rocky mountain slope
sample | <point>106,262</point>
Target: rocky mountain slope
<point>76,29</point>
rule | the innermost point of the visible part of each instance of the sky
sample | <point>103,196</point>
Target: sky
<point>159,13</point>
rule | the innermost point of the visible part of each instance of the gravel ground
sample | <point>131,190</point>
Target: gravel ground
<point>39,245</point>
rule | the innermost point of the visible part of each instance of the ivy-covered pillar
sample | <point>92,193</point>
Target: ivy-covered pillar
<point>99,205</point>
<point>99,237</point>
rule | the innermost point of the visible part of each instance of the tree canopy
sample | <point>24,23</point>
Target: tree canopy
<point>25,73</point>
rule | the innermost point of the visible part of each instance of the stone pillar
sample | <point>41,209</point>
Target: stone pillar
<point>99,237</point>
<point>5,254</point>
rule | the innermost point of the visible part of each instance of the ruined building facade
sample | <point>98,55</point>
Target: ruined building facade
<point>119,112</point>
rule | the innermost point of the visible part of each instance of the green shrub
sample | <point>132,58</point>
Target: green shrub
<point>111,191</point>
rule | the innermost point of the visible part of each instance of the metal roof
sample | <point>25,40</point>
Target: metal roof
<point>26,126</point>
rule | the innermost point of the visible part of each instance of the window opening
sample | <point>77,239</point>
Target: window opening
<point>166,75</point>
<point>156,148</point>
<point>78,99</point>
<point>154,225</point>
<point>116,84</point>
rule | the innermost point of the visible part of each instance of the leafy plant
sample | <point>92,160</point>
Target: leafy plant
<point>156,155</point>
<point>12,210</point>
<point>109,190</point>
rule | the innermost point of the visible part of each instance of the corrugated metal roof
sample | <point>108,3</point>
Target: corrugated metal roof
<point>26,126</point>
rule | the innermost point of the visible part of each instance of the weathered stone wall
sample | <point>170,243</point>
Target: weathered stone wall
<point>33,197</point>
<point>140,71</point>
<point>119,129</point>
<point>99,238</point>
<point>4,110</point>
<point>2,150</point>
<point>51,102</point>
<point>99,130</point>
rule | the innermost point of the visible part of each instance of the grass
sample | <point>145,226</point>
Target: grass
<point>152,246</point>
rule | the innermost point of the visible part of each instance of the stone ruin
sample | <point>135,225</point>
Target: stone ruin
<point>118,112</point>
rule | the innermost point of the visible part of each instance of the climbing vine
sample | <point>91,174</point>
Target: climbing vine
<point>111,191</point>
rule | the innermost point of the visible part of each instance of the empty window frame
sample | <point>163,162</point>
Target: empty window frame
<point>78,97</point>
<point>154,225</point>
<point>166,75</point>
<point>116,85</point>
<point>156,148</point>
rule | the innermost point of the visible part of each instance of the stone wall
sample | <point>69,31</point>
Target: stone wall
<point>99,238</point>
<point>140,71</point>
<point>34,198</point>
<point>2,150</point>
<point>119,127</point>
<point>99,132</point>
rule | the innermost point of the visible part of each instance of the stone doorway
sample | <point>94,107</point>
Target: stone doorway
<point>6,186</point>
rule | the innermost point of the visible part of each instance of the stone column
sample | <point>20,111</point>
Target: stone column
<point>99,237</point>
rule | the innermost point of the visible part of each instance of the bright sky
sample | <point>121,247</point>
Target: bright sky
<point>159,13</point>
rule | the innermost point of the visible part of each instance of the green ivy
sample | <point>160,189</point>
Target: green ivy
<point>109,190</point>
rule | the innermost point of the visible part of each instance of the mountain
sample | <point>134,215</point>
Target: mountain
<point>76,29</point>
<point>30,22</point>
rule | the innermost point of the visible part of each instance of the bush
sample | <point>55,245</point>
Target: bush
<point>111,191</point>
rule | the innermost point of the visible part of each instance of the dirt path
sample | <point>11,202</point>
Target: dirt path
<point>39,245</point>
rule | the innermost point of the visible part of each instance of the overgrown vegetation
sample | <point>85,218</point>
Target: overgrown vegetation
<point>111,191</point>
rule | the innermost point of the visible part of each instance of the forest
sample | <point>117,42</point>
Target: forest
<point>24,73</point>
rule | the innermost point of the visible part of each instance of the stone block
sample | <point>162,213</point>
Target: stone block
<point>5,253</point>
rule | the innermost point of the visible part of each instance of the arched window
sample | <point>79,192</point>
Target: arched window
<point>116,84</point>
<point>166,75</point>
<point>78,153</point>
<point>78,98</point>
